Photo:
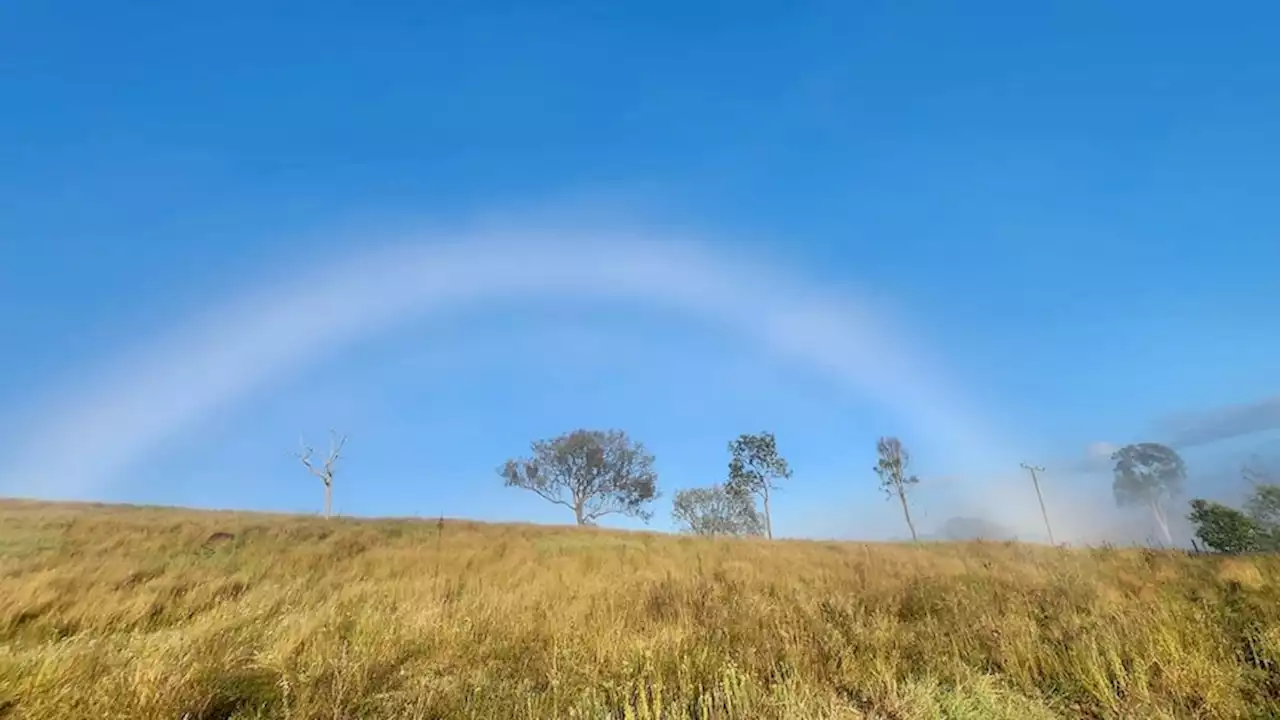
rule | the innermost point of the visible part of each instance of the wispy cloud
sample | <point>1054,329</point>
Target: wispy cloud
<point>1184,431</point>
<point>1187,430</point>
<point>1096,458</point>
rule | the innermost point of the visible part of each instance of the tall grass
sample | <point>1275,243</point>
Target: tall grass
<point>114,612</point>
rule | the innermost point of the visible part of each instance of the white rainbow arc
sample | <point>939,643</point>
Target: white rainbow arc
<point>85,442</point>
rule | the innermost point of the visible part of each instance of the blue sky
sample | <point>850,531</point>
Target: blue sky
<point>1072,208</point>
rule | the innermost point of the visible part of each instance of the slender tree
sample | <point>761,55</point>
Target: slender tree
<point>593,473</point>
<point>1149,475</point>
<point>894,480</point>
<point>716,510</point>
<point>325,471</point>
<point>754,469</point>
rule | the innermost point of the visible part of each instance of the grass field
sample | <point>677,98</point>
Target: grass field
<point>115,612</point>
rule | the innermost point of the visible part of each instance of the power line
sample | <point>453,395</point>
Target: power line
<point>1033,469</point>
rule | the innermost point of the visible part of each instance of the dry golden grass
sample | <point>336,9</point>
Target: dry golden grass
<point>111,612</point>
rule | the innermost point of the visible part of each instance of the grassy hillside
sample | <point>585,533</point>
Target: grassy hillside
<point>111,612</point>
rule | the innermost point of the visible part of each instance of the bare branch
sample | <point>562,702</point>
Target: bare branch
<point>326,472</point>
<point>335,449</point>
<point>304,456</point>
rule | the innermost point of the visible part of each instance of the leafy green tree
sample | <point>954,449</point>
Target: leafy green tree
<point>1149,475</point>
<point>592,472</point>
<point>1225,529</point>
<point>894,480</point>
<point>716,510</point>
<point>754,469</point>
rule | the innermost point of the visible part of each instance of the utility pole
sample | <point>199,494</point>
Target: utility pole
<point>1036,481</point>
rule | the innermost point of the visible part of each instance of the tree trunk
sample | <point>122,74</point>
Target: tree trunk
<point>768,523</point>
<point>328,500</point>
<point>902,496</point>
<point>577,514</point>
<point>1158,512</point>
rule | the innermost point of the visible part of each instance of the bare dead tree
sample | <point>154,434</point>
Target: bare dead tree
<point>325,472</point>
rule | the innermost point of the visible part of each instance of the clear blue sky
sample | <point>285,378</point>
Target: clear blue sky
<point>1074,207</point>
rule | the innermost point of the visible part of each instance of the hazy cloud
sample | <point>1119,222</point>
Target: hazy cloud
<point>1187,430</point>
<point>1192,429</point>
<point>1096,458</point>
<point>1101,451</point>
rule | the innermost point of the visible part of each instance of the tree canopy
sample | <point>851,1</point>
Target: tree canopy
<point>891,466</point>
<point>716,510</point>
<point>1228,530</point>
<point>1148,475</point>
<point>1225,529</point>
<point>754,468</point>
<point>592,472</point>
